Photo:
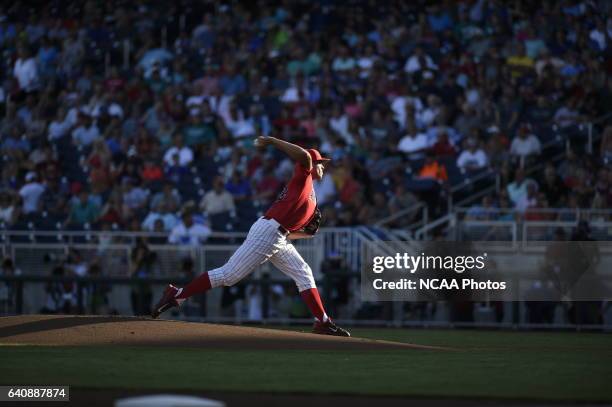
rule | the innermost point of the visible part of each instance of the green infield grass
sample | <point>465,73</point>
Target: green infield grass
<point>484,364</point>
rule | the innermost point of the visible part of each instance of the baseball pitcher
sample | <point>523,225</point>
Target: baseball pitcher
<point>294,215</point>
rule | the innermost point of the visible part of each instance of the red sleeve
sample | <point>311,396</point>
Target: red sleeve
<point>299,171</point>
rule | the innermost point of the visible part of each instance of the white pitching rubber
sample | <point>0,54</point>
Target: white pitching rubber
<point>167,400</point>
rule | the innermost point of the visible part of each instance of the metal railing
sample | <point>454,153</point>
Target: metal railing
<point>553,213</point>
<point>81,299</point>
<point>410,212</point>
<point>511,225</point>
<point>448,221</point>
<point>33,245</point>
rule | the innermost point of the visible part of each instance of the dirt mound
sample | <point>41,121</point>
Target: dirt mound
<point>106,330</point>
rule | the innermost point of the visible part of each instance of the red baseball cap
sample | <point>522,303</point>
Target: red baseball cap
<point>316,156</point>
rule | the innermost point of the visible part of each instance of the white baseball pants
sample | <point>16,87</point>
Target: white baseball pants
<point>264,242</point>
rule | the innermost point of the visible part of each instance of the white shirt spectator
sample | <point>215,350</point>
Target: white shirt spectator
<point>566,117</point>
<point>115,109</point>
<point>80,269</point>
<point>26,73</point>
<point>410,144</point>
<point>6,214</point>
<point>599,37</point>
<point>292,94</point>
<point>366,63</point>
<point>413,64</point>
<point>213,202</point>
<point>343,64</point>
<point>517,192</point>
<point>169,220</point>
<point>72,117</point>
<point>472,159</point>
<point>221,105</point>
<point>192,236</point>
<point>399,108</point>
<point>340,125</point>
<point>554,62</point>
<point>426,117</point>
<point>240,127</point>
<point>194,101</point>
<point>58,129</point>
<point>136,197</point>
<point>86,135</point>
<point>30,193</point>
<point>523,147</point>
<point>525,202</point>
<point>185,155</point>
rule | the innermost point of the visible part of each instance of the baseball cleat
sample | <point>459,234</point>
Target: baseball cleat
<point>329,328</point>
<point>167,301</point>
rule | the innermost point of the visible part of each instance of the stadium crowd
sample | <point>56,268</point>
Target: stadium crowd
<point>141,115</point>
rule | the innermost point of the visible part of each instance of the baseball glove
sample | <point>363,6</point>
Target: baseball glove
<point>312,227</point>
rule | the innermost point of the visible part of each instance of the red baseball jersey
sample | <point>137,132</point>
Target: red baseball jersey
<point>296,203</point>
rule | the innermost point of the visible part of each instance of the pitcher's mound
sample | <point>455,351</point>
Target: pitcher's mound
<point>67,330</point>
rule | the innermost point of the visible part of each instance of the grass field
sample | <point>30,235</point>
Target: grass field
<point>485,364</point>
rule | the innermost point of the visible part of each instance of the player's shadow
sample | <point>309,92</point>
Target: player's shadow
<point>59,323</point>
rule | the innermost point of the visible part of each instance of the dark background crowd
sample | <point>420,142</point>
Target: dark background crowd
<point>135,115</point>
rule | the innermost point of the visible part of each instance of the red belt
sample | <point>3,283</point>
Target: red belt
<point>280,227</point>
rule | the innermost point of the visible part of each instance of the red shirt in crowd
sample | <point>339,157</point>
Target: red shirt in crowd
<point>296,203</point>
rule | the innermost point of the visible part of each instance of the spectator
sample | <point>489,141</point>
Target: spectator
<point>433,169</point>
<point>184,153</point>
<point>484,211</point>
<point>418,61</point>
<point>7,291</point>
<point>87,132</point>
<point>159,212</point>
<point>60,126</point>
<point>60,297</point>
<point>402,199</point>
<point>567,115</point>
<point>525,144</point>
<point>135,197</point>
<point>413,144</point>
<point>168,197</point>
<point>542,113</point>
<point>143,264</point>
<point>26,71</point>
<point>443,147</point>
<point>519,62</point>
<point>8,210</point>
<point>175,172</point>
<point>114,211</point>
<point>31,193</point>
<point>473,157</point>
<point>152,172</point>
<point>218,200</point>
<point>186,232</point>
<point>518,189</point>
<point>76,264</point>
<point>195,133</point>
<point>552,186</point>
<point>84,210</point>
<point>239,187</point>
